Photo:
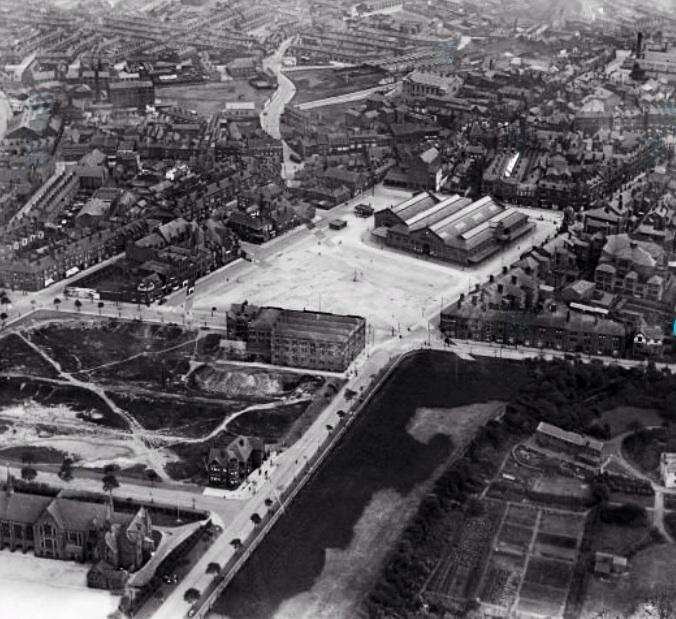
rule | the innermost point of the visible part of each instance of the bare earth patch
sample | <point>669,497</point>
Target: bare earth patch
<point>349,573</point>
<point>458,422</point>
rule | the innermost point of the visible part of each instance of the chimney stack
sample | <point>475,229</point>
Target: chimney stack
<point>513,280</point>
<point>639,45</point>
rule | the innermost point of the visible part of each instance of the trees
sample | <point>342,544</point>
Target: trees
<point>255,518</point>
<point>78,304</point>
<point>3,318</point>
<point>213,568</point>
<point>192,595</point>
<point>66,470</point>
<point>236,543</point>
<point>110,483</point>
<point>28,473</point>
<point>57,302</point>
<point>100,305</point>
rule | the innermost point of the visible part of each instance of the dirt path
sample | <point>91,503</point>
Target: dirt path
<point>137,432</point>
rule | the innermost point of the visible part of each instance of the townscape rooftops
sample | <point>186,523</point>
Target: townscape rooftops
<point>623,247</point>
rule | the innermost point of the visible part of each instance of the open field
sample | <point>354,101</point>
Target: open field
<point>207,99</point>
<point>650,576</point>
<point>315,84</point>
<point>80,345</point>
<point>643,449</point>
<point>624,418</point>
<point>34,587</point>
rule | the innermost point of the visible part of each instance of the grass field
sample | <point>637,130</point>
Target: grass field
<point>617,539</point>
<point>624,418</point>
<point>651,574</point>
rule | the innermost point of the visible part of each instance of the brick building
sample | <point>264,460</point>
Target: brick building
<point>313,340</point>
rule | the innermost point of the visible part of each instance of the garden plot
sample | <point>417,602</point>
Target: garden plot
<point>543,541</point>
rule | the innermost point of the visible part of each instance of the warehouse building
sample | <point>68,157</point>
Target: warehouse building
<point>304,339</point>
<point>451,228</point>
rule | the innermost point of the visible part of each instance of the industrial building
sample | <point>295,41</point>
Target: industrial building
<point>452,228</point>
<point>305,339</point>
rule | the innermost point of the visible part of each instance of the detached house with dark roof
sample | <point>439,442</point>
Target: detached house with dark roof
<point>230,465</point>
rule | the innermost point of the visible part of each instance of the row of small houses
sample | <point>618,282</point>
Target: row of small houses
<point>653,117</point>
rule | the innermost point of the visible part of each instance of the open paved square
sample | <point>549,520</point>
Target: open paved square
<point>347,271</point>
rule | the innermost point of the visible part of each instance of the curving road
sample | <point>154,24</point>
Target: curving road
<point>283,95</point>
<point>5,114</point>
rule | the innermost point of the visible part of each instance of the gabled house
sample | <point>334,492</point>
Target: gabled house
<point>230,465</point>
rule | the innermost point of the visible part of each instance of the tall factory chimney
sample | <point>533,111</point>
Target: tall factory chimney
<point>639,45</point>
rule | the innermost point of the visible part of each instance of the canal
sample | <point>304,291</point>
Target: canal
<point>322,538</point>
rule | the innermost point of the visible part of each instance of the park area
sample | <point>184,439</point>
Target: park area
<point>210,98</point>
<point>315,84</point>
